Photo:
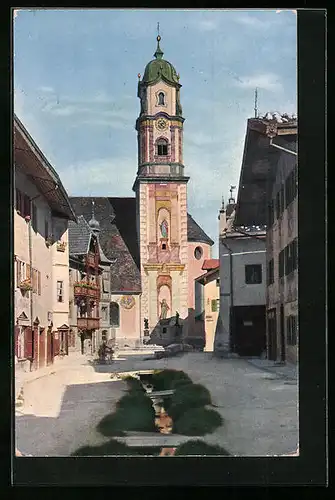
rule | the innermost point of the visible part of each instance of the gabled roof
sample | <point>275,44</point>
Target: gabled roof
<point>30,160</point>
<point>196,233</point>
<point>259,166</point>
<point>79,236</point>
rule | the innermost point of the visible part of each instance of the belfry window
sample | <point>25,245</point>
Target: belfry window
<point>162,147</point>
<point>161,99</point>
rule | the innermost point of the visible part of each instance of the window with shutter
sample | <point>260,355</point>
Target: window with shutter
<point>60,295</point>
<point>214,305</point>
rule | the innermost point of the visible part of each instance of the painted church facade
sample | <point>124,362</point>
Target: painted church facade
<point>155,247</point>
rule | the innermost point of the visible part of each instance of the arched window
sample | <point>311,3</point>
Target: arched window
<point>161,99</point>
<point>114,314</point>
<point>162,147</point>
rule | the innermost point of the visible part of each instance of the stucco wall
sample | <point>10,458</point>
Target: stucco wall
<point>195,268</point>
<point>129,331</point>
<point>211,292</point>
<point>41,255</point>
<point>170,99</point>
<point>284,229</point>
<point>247,251</point>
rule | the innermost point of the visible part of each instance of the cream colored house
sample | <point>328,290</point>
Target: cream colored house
<point>41,214</point>
<point>207,293</point>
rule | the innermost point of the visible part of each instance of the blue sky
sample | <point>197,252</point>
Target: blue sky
<point>75,90</point>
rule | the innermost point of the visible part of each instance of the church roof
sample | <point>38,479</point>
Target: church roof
<point>196,233</point>
<point>118,237</point>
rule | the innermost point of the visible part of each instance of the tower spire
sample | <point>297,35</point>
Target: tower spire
<point>93,209</point>
<point>159,53</point>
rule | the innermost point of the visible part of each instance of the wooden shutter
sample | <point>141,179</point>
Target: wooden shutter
<point>28,342</point>
<point>28,271</point>
<point>214,305</point>
<point>18,272</point>
<point>16,340</point>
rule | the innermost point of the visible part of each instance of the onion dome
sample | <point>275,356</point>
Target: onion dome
<point>159,68</point>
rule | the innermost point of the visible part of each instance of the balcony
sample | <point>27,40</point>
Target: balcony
<point>86,290</point>
<point>88,323</point>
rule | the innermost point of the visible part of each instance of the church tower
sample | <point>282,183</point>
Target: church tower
<point>161,199</point>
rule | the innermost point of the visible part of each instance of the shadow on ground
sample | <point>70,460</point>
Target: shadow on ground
<point>82,407</point>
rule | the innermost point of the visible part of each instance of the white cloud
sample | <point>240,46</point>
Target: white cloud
<point>108,177</point>
<point>265,81</point>
<point>252,21</point>
<point>95,110</point>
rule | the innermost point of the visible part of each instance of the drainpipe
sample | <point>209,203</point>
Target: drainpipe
<point>31,296</point>
<point>231,286</point>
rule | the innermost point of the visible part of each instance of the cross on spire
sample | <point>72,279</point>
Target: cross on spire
<point>92,209</point>
<point>158,29</point>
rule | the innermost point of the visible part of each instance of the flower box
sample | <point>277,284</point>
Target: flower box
<point>25,285</point>
<point>61,246</point>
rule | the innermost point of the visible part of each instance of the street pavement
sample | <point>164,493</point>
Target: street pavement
<point>259,407</point>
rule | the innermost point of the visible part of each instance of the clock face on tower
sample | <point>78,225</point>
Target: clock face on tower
<point>161,124</point>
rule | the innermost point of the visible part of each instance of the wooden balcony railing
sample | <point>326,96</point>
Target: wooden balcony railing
<point>88,323</point>
<point>83,290</point>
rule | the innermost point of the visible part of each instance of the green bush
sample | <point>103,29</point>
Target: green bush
<point>113,447</point>
<point>186,397</point>
<point>198,447</point>
<point>137,418</point>
<point>179,382</point>
<point>197,422</point>
<point>164,380</point>
<point>134,400</point>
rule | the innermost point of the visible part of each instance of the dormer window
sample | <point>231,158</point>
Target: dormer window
<point>162,147</point>
<point>161,99</point>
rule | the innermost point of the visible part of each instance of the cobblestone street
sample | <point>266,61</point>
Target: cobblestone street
<point>61,410</point>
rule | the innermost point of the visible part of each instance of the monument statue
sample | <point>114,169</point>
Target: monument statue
<point>164,309</point>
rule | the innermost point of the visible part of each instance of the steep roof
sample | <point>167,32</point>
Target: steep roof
<point>118,237</point>
<point>196,233</point>
<point>30,160</point>
<point>79,239</point>
<point>259,166</point>
<point>79,236</point>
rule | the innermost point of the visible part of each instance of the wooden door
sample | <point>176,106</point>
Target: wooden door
<point>42,346</point>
